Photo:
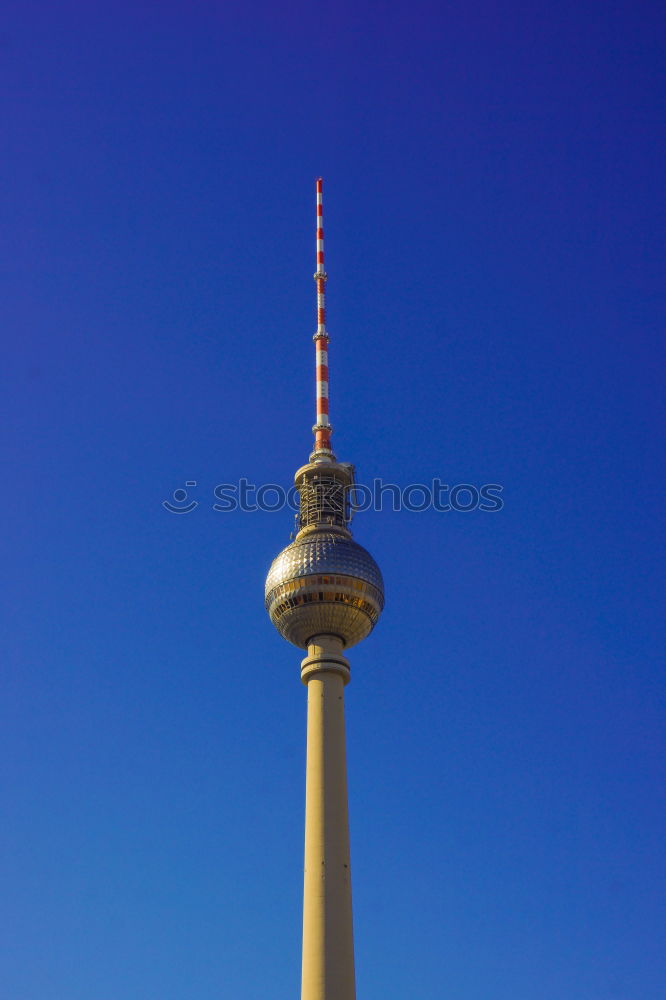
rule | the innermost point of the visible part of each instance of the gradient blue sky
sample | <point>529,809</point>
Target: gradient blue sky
<point>495,241</point>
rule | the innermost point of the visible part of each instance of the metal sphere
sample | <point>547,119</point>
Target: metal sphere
<point>324,583</point>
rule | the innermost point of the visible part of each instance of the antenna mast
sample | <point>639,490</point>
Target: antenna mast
<point>322,429</point>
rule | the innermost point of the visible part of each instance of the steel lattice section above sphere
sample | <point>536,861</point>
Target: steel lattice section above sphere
<point>324,583</point>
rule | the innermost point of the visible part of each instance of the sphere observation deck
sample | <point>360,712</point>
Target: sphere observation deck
<point>324,583</point>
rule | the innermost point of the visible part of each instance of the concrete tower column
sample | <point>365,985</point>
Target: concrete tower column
<point>328,942</point>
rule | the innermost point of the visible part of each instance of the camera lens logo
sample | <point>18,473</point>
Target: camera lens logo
<point>179,497</point>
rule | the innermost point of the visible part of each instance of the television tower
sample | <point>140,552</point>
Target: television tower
<point>324,593</point>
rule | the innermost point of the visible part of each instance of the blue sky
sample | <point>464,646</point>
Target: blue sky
<point>495,238</point>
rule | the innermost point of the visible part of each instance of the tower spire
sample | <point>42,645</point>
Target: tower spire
<point>322,428</point>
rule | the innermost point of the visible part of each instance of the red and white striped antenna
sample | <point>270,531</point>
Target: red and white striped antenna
<point>322,428</point>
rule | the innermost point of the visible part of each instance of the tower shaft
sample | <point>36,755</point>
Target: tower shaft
<point>328,943</point>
